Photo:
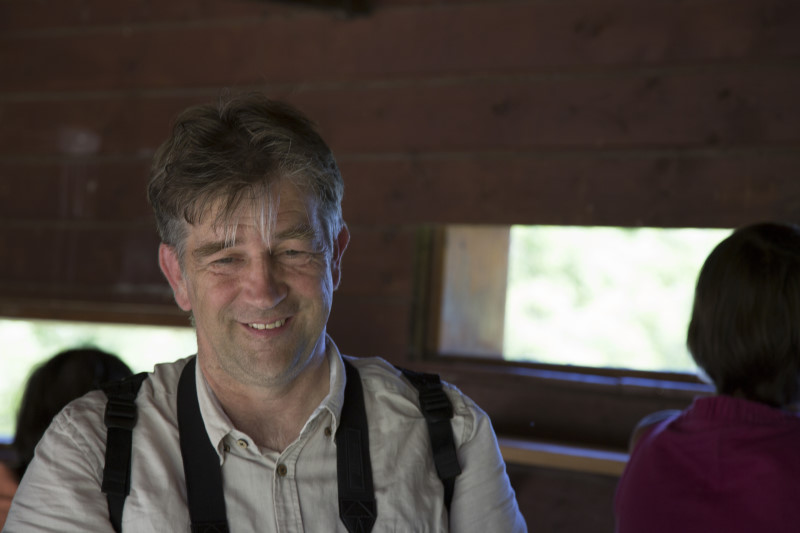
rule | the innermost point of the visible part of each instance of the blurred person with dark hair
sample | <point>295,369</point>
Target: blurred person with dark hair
<point>63,378</point>
<point>52,385</point>
<point>729,462</point>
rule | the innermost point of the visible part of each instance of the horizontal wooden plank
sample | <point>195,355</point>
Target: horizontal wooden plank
<point>563,457</point>
<point>75,189</point>
<point>668,188</point>
<point>564,501</point>
<point>87,14</point>
<point>379,262</point>
<point>115,260</point>
<point>73,306</point>
<point>128,125</point>
<point>632,110</point>
<point>93,47</point>
<point>564,407</point>
<point>699,108</point>
<point>661,190</point>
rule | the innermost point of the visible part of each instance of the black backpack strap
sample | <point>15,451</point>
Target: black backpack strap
<point>200,460</point>
<point>437,409</point>
<point>357,507</point>
<point>120,419</point>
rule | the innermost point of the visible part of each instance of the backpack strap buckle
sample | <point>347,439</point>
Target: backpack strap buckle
<point>120,414</point>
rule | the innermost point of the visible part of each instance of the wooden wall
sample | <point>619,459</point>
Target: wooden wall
<point>623,112</point>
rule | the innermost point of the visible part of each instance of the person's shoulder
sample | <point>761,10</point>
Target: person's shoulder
<point>377,372</point>
<point>89,409</point>
<point>80,421</point>
<point>649,423</point>
<point>163,380</point>
<point>385,380</point>
<point>379,375</point>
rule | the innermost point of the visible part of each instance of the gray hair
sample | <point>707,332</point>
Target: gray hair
<point>236,154</point>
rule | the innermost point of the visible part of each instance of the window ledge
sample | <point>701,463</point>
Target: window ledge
<point>562,457</point>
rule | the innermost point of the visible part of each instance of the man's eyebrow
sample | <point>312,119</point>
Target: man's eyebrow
<point>303,231</point>
<point>208,249</point>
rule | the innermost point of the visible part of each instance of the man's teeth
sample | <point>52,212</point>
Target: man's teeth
<point>274,325</point>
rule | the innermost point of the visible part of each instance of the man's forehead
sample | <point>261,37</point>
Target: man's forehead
<point>235,232</point>
<point>243,230</point>
<point>291,221</point>
<point>286,206</point>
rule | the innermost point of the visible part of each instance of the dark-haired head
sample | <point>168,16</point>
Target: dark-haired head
<point>220,158</point>
<point>745,326</point>
<point>53,384</point>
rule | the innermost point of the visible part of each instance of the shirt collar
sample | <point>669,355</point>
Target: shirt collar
<point>218,425</point>
<point>334,401</point>
<point>216,421</point>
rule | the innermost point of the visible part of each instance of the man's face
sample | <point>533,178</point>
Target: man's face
<point>260,309</point>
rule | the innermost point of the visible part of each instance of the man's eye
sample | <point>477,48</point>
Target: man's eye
<point>293,257</point>
<point>224,261</point>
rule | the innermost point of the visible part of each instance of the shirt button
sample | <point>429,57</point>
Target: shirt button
<point>226,448</point>
<point>242,444</point>
<point>282,470</point>
<point>327,432</point>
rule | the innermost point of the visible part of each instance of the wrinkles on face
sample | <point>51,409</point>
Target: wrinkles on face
<point>261,309</point>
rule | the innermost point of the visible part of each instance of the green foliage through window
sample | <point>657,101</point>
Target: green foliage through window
<point>603,296</point>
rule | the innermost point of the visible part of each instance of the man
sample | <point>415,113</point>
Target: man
<point>247,199</point>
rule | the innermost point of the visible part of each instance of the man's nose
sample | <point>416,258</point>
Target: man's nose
<point>264,284</point>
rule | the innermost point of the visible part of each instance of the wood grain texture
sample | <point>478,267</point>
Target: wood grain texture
<point>91,46</point>
<point>735,109</point>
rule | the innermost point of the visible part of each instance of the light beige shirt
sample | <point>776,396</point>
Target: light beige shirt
<point>267,491</point>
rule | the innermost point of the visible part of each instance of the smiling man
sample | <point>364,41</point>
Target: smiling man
<point>268,428</point>
<point>260,298</point>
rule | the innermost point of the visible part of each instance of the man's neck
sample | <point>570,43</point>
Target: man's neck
<point>273,417</point>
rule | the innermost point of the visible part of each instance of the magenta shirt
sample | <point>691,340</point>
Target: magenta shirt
<point>724,464</point>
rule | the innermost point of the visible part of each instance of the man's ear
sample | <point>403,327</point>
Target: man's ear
<point>339,246</point>
<point>170,266</point>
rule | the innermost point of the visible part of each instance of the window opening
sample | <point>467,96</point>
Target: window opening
<point>26,343</point>
<point>573,295</point>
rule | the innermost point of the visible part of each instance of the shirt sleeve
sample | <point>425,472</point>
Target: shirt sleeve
<point>483,499</point>
<point>60,490</point>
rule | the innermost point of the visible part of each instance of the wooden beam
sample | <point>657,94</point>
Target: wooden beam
<point>563,457</point>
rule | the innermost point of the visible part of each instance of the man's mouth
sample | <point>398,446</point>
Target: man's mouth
<point>273,325</point>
